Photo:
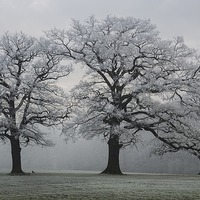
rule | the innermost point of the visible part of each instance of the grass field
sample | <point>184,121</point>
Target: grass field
<point>91,185</point>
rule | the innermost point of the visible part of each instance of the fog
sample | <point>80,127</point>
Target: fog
<point>92,155</point>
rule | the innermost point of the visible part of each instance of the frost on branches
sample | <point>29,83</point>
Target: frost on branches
<point>135,82</point>
<point>29,97</point>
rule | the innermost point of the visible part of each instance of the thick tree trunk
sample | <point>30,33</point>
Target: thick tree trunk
<point>113,157</point>
<point>16,156</point>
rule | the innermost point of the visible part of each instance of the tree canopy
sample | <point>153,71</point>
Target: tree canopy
<point>136,81</point>
<point>29,96</point>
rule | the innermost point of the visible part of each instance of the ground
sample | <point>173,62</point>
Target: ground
<point>92,185</point>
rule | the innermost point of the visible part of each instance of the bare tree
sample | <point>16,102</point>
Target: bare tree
<point>29,97</point>
<point>135,82</point>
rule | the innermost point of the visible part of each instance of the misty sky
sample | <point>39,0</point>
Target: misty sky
<point>172,17</point>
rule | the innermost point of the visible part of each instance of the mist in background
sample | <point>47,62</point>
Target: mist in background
<point>93,154</point>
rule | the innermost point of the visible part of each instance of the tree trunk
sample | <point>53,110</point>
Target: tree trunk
<point>113,156</point>
<point>16,156</point>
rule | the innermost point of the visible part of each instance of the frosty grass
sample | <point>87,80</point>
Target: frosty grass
<point>92,185</point>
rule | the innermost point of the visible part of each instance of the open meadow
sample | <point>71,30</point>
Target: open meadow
<point>91,185</point>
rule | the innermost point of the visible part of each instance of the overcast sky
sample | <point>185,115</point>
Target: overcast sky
<point>172,17</point>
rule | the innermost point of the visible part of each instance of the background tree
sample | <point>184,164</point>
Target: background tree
<point>29,97</point>
<point>135,83</point>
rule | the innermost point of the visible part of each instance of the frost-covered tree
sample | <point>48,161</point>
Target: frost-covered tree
<point>135,82</point>
<point>29,97</point>
<point>188,134</point>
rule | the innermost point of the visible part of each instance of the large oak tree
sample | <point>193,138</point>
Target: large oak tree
<point>135,82</point>
<point>29,97</point>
